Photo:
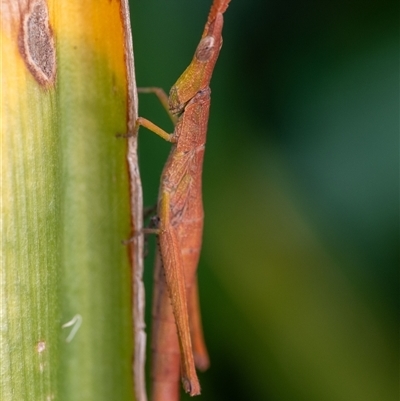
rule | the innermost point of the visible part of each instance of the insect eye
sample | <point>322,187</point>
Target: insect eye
<point>205,49</point>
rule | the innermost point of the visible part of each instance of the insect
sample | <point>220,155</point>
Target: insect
<point>178,344</point>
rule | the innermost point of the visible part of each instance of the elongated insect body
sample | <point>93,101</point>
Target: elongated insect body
<point>182,177</point>
<point>181,221</point>
<point>188,210</point>
<point>180,211</point>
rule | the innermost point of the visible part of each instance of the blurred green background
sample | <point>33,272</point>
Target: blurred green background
<point>299,269</point>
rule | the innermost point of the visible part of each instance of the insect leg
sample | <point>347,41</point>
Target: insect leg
<point>175,279</point>
<point>201,358</point>
<point>162,97</point>
<point>165,355</point>
<point>144,122</point>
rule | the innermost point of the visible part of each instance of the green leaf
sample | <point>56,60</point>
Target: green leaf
<point>65,204</point>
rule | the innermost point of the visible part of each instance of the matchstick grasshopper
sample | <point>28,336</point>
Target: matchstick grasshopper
<point>180,226</point>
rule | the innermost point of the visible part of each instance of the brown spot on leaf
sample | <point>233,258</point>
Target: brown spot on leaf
<point>36,43</point>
